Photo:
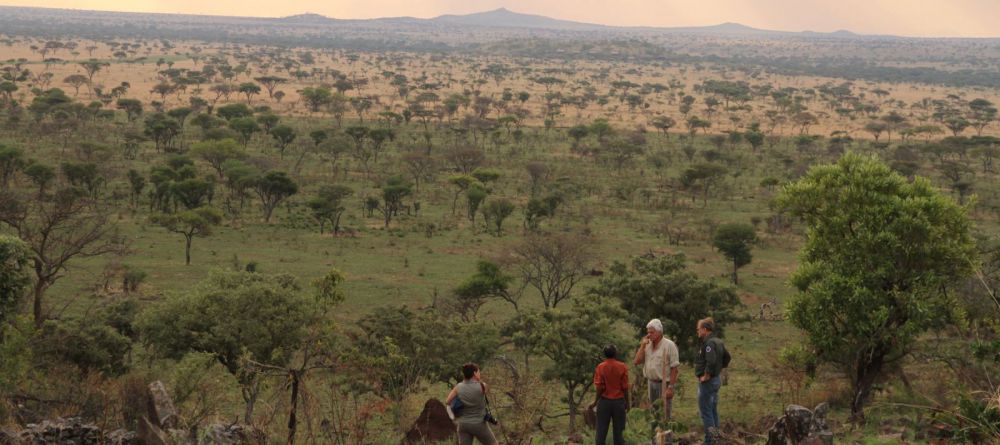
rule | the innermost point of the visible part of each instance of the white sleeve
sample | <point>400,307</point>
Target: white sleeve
<point>674,357</point>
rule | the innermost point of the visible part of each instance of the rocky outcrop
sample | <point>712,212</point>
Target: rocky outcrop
<point>69,431</point>
<point>432,425</point>
<point>158,427</point>
<point>801,426</point>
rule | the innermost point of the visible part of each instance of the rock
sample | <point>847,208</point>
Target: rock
<point>70,431</point>
<point>432,425</point>
<point>122,437</point>
<point>234,434</point>
<point>150,434</point>
<point>161,409</point>
<point>801,426</point>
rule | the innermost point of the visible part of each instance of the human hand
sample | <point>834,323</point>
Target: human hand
<point>704,378</point>
<point>668,393</point>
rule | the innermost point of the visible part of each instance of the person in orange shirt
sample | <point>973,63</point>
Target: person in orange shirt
<point>612,401</point>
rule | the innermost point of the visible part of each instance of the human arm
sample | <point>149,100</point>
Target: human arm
<point>451,395</point>
<point>598,386</point>
<point>640,354</point>
<point>669,392</point>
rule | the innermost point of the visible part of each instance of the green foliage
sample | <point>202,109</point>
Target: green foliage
<point>216,153</point>
<point>232,314</point>
<point>328,205</point>
<point>41,175</point>
<point>495,212</point>
<point>572,339</point>
<point>316,97</point>
<point>489,281</point>
<point>245,127</point>
<point>162,129</point>
<point>703,175</point>
<point>328,290</point>
<point>734,240</point>
<point>190,223</point>
<point>272,188</point>
<point>878,253</point>
<point>661,287</point>
<point>233,111</point>
<point>475,196</point>
<point>17,352</point>
<point>89,344</point>
<point>14,276</point>
<point>11,161</point>
<point>401,349</point>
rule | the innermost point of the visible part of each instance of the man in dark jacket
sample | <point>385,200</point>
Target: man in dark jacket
<point>707,368</point>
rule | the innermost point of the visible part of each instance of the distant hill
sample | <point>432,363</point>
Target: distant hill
<point>308,18</point>
<point>505,18</point>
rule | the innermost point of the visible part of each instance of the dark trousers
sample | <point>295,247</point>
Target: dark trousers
<point>608,411</point>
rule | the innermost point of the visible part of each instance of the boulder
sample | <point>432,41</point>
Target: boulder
<point>233,434</point>
<point>150,434</point>
<point>70,431</point>
<point>432,425</point>
<point>161,409</point>
<point>801,426</point>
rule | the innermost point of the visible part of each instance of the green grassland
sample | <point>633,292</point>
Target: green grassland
<point>406,264</point>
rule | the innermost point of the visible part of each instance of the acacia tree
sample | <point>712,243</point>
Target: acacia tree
<point>190,223</point>
<point>270,83</point>
<point>217,152</point>
<point>57,229</point>
<point>328,205</point>
<point>76,81</point>
<point>394,191</point>
<point>272,188</point>
<point>495,212</point>
<point>551,264</point>
<point>879,254</point>
<point>734,241</point>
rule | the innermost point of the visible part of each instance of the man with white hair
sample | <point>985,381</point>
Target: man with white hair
<point>659,359</point>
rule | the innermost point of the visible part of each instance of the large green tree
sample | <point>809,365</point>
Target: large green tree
<point>237,316</point>
<point>734,241</point>
<point>662,287</point>
<point>879,253</point>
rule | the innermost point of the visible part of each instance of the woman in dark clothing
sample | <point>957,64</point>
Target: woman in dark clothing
<point>471,421</point>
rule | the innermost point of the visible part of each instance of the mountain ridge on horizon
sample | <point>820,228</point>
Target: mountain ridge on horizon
<point>503,17</point>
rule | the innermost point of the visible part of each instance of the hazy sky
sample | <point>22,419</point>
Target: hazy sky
<point>951,18</point>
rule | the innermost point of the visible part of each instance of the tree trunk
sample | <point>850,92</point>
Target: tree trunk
<point>866,371</point>
<point>293,407</point>
<point>736,279</point>
<point>39,293</point>
<point>250,392</point>
<point>187,249</point>
<point>572,412</point>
